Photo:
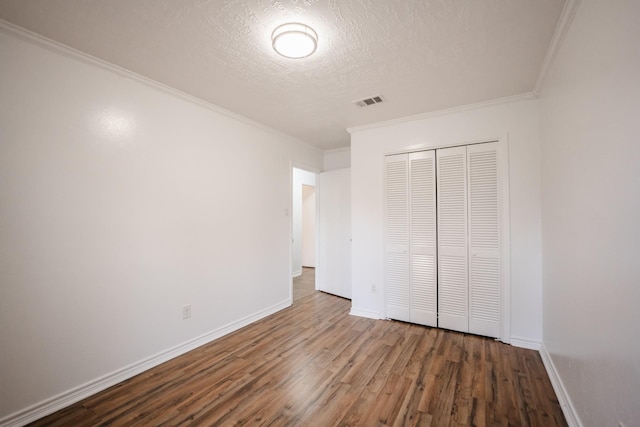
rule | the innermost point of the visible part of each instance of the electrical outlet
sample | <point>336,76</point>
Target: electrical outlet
<point>373,288</point>
<point>186,311</point>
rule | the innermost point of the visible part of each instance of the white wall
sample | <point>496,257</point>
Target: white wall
<point>300,177</point>
<point>308,226</point>
<point>519,119</point>
<point>119,203</point>
<point>339,158</point>
<point>589,109</point>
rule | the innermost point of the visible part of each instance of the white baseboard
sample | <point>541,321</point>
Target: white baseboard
<point>525,343</point>
<point>296,273</point>
<point>563,397</point>
<point>365,313</point>
<point>62,400</point>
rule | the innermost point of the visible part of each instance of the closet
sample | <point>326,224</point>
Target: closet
<point>442,238</point>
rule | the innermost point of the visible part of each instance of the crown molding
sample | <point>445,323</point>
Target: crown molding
<point>566,18</point>
<point>422,116</point>
<point>337,150</point>
<point>81,56</point>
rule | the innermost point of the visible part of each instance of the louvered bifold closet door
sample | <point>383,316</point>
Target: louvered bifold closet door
<point>484,240</point>
<point>397,237</point>
<point>452,239</point>
<point>422,248</point>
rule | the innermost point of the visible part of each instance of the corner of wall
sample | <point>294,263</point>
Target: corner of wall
<point>360,312</point>
<point>527,343</point>
<point>568,409</point>
<point>338,158</point>
<point>564,22</point>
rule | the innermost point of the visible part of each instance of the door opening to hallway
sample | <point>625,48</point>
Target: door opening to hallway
<point>305,284</point>
<point>303,232</point>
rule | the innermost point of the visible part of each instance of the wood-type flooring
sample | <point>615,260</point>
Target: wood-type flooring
<point>305,284</point>
<point>315,365</point>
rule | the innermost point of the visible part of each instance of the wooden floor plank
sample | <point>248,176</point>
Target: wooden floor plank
<point>314,364</point>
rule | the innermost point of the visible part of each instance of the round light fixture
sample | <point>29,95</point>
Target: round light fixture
<point>294,40</point>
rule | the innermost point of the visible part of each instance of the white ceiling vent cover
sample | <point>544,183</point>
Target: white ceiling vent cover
<point>369,101</point>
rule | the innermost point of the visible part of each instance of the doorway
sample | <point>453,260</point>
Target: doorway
<point>308,221</point>
<point>303,233</point>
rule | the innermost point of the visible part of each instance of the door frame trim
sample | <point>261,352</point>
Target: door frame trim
<point>289,213</point>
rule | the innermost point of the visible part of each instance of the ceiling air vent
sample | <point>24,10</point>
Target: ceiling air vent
<point>369,101</point>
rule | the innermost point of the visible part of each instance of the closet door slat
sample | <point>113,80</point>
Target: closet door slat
<point>453,295</point>
<point>397,237</point>
<point>484,240</point>
<point>423,261</point>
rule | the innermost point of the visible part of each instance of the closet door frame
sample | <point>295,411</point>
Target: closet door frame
<point>505,228</point>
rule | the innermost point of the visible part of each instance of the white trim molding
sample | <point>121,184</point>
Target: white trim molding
<point>69,397</point>
<point>504,175</point>
<point>337,150</point>
<point>365,313</point>
<point>564,22</point>
<point>563,397</point>
<point>527,343</point>
<point>483,104</point>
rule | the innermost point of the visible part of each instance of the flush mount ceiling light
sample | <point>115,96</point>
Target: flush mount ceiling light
<point>294,40</point>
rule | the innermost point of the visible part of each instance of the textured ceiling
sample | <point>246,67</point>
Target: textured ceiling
<point>421,55</point>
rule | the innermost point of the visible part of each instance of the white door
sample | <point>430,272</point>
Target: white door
<point>410,233</point>
<point>333,264</point>
<point>442,238</point>
<point>453,286</point>
<point>422,238</point>
<point>396,260</point>
<point>484,240</point>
